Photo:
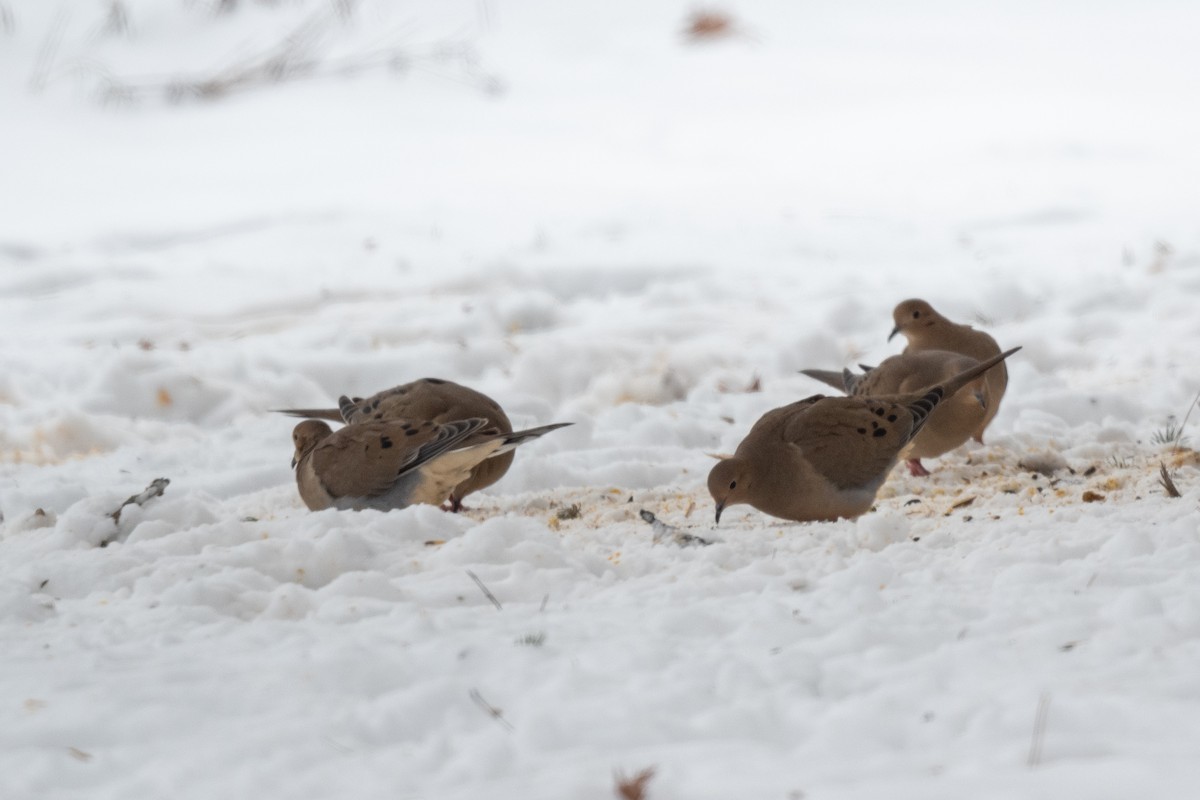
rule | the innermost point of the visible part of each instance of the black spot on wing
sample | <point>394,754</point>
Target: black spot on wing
<point>880,432</point>
<point>435,381</point>
<point>385,442</point>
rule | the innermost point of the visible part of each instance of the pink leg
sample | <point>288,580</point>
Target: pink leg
<point>453,505</point>
<point>915,468</point>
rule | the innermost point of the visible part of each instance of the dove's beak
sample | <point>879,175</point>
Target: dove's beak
<point>981,398</point>
<point>293,462</point>
<point>720,508</point>
<point>892,335</point>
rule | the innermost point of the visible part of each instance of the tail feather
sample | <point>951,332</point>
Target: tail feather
<point>517,438</point>
<point>827,377</point>
<point>922,406</point>
<point>312,413</point>
<point>850,381</point>
<point>448,437</point>
<point>346,408</point>
<point>960,380</point>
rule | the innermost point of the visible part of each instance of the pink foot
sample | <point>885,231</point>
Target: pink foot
<point>915,468</point>
<point>453,505</point>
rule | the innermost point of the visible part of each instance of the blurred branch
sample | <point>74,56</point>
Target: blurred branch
<point>48,52</point>
<point>303,53</point>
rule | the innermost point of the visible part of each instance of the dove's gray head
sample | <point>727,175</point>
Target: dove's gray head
<point>729,483</point>
<point>912,317</point>
<point>306,436</point>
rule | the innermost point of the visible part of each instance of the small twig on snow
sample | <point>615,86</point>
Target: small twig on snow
<point>1039,729</point>
<point>490,709</point>
<point>155,489</point>
<point>486,592</point>
<point>1165,479</point>
<point>664,531</point>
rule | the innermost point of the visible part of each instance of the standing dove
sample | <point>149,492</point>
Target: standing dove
<point>395,463</point>
<point>823,458</point>
<point>951,424</point>
<point>926,329</point>
<point>432,400</point>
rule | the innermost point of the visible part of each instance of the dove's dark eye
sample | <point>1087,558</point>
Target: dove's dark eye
<point>916,315</point>
<point>733,484</point>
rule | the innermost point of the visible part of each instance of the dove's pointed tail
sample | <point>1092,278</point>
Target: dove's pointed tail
<point>960,380</point>
<point>311,413</point>
<point>827,377</point>
<point>517,438</point>
<point>921,407</point>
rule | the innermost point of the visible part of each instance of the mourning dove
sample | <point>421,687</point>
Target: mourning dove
<point>951,424</point>
<point>926,329</point>
<point>394,463</point>
<point>825,457</point>
<point>432,400</point>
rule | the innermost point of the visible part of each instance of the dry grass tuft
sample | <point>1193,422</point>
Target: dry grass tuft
<point>1168,484</point>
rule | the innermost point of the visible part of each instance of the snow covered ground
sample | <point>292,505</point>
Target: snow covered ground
<point>590,219</point>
